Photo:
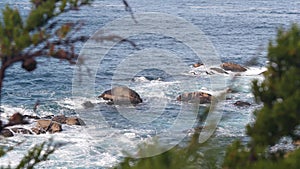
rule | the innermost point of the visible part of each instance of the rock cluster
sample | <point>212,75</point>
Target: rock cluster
<point>18,123</point>
<point>195,97</point>
<point>224,67</point>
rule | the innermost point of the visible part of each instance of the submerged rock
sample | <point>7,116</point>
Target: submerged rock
<point>88,104</point>
<point>121,95</point>
<point>197,64</point>
<point>195,97</point>
<point>233,67</point>
<point>241,104</point>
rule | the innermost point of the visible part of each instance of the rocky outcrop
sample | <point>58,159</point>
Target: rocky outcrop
<point>233,67</point>
<point>49,124</point>
<point>121,95</point>
<point>195,97</point>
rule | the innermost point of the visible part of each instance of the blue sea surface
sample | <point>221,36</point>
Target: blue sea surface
<point>239,30</point>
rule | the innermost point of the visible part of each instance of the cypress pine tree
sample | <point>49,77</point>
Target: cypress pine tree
<point>280,115</point>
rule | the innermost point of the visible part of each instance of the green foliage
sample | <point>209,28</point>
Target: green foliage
<point>17,34</point>
<point>45,10</point>
<point>280,115</point>
<point>12,33</point>
<point>280,91</point>
<point>40,15</point>
<point>35,155</point>
<point>239,156</point>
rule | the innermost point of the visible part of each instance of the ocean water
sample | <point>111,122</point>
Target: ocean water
<point>239,31</point>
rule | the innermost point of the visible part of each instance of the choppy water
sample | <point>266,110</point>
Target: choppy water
<point>239,30</point>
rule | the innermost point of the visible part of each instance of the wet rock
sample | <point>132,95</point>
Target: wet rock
<point>37,130</point>
<point>195,97</point>
<point>15,119</point>
<point>197,64</point>
<point>49,126</point>
<point>68,120</point>
<point>74,121</point>
<point>241,104</point>
<point>60,119</point>
<point>233,67</point>
<point>88,104</point>
<point>121,95</point>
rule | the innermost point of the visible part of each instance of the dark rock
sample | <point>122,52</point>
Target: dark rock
<point>15,119</point>
<point>195,97</point>
<point>121,95</point>
<point>233,67</point>
<point>6,133</point>
<point>241,103</point>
